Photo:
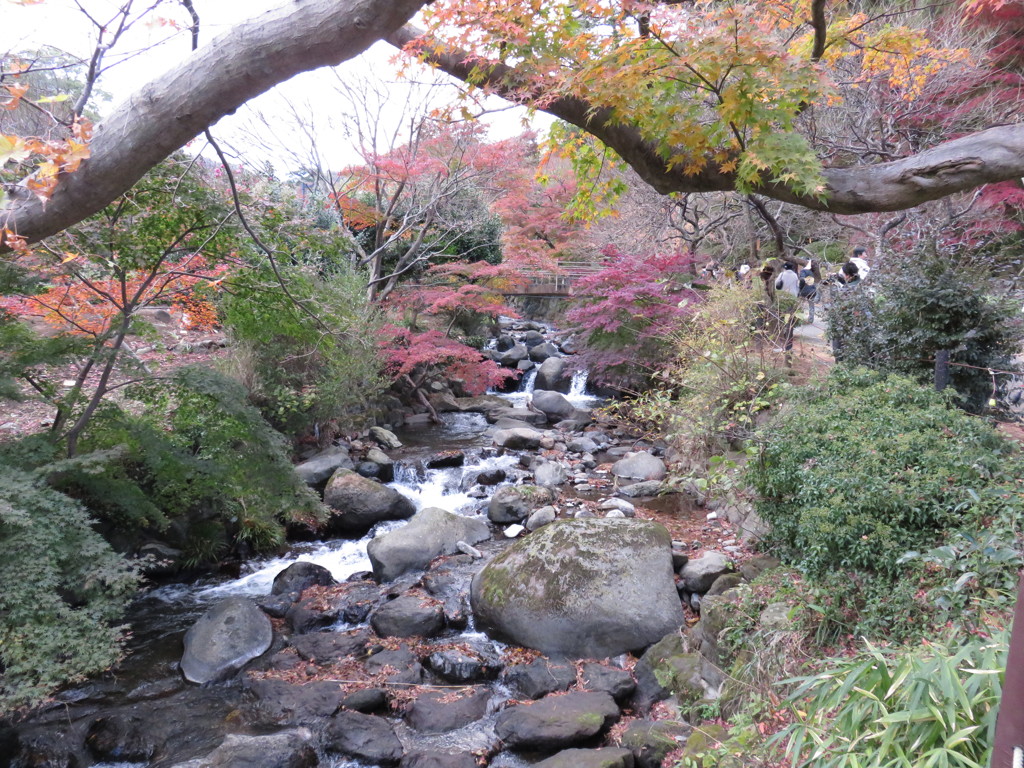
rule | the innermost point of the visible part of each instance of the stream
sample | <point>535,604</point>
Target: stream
<point>160,617</point>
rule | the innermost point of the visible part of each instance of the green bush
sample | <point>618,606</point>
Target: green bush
<point>918,304</point>
<point>61,589</point>
<point>199,467</point>
<point>933,705</point>
<point>865,467</point>
<point>308,357</point>
<point>853,603</point>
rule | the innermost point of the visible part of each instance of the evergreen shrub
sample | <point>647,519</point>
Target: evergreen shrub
<point>916,305</point>
<point>864,467</point>
<point>199,467</point>
<point>62,588</point>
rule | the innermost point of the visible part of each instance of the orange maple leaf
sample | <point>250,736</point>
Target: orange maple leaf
<point>82,129</point>
<point>17,92</point>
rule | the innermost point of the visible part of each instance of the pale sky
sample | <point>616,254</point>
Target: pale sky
<point>151,48</point>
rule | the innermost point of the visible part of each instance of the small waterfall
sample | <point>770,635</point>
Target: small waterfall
<point>578,388</point>
<point>527,382</point>
<point>447,488</point>
<point>342,557</point>
<point>409,474</point>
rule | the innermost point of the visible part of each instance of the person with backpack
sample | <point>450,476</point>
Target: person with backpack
<point>788,280</point>
<point>808,289</point>
<point>859,259</point>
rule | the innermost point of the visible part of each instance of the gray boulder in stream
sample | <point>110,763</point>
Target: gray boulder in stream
<point>639,466</point>
<point>224,639</point>
<point>513,503</point>
<point>430,533</point>
<point>289,749</point>
<point>554,404</point>
<point>318,470</point>
<point>585,588</point>
<point>518,438</point>
<point>358,503</point>
<point>556,722</point>
<point>551,376</point>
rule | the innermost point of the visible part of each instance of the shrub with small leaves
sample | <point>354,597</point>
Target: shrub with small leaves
<point>919,304</point>
<point>62,588</point>
<point>863,468</point>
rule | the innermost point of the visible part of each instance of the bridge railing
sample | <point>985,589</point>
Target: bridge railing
<point>556,281</point>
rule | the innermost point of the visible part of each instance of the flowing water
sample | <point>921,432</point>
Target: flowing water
<point>160,617</point>
<point>577,394</point>
<point>167,610</point>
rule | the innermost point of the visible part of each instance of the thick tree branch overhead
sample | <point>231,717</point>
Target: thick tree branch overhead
<point>987,156</point>
<point>211,83</point>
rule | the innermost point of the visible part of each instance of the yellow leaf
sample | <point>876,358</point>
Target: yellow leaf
<point>12,148</point>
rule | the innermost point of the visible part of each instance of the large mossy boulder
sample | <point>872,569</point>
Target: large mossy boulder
<point>430,533</point>
<point>358,503</point>
<point>586,588</point>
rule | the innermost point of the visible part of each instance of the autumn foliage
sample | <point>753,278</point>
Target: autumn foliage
<point>714,87</point>
<point>411,355</point>
<point>628,311</point>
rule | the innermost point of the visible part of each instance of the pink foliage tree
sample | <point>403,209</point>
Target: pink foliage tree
<point>627,313</point>
<point>411,356</point>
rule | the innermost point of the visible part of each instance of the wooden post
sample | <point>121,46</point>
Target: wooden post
<point>1010,722</point>
<point>941,369</point>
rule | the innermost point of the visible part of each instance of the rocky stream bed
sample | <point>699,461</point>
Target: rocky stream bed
<point>492,591</point>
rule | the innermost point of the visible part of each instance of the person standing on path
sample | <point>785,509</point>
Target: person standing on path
<point>809,289</point>
<point>848,276</point>
<point>788,281</point>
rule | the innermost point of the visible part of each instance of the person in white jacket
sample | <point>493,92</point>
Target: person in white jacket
<point>858,258</point>
<point>788,280</point>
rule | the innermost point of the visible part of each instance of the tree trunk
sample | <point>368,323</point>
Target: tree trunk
<point>100,391</point>
<point>213,82</point>
<point>941,369</point>
<point>306,34</point>
<point>1010,723</point>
